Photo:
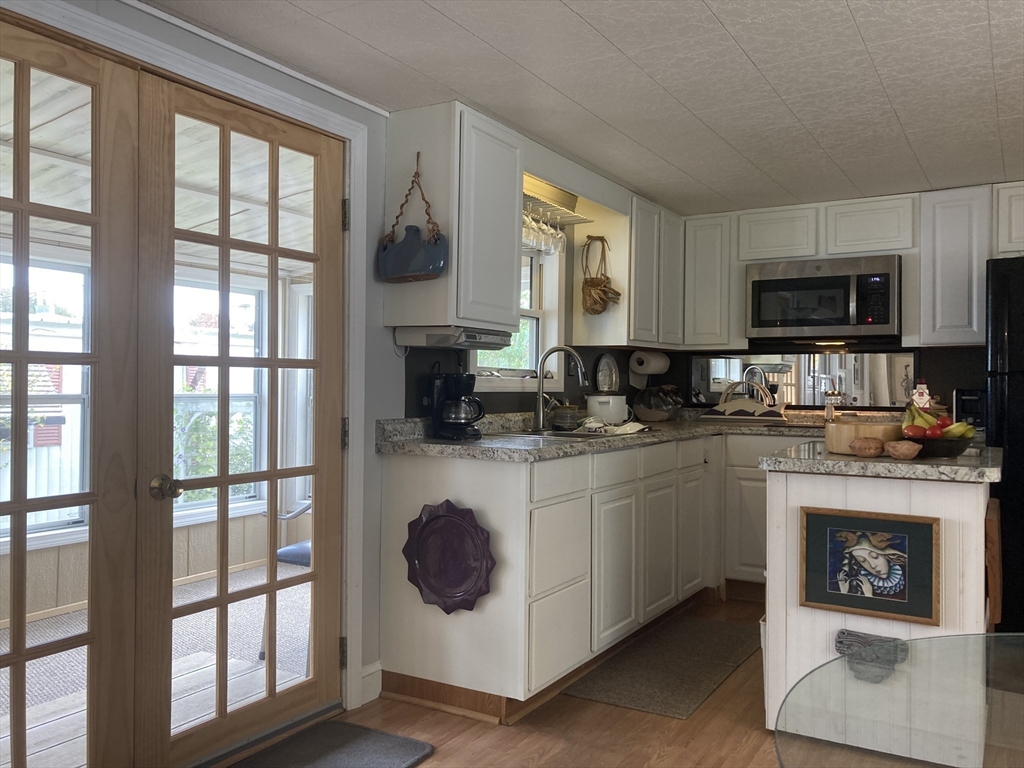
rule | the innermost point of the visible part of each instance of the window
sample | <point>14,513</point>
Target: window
<point>514,368</point>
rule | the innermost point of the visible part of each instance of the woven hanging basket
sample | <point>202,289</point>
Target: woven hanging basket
<point>598,292</point>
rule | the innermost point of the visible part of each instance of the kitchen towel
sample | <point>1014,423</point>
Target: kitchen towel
<point>643,364</point>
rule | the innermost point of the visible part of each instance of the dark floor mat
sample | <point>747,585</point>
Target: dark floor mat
<point>334,744</point>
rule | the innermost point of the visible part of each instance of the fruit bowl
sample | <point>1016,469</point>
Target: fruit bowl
<point>941,447</point>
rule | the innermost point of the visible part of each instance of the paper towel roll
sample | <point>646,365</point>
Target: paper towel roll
<point>643,364</point>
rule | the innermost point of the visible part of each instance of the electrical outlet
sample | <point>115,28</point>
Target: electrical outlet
<point>572,368</point>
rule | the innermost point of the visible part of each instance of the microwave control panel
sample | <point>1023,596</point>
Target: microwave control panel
<point>873,299</point>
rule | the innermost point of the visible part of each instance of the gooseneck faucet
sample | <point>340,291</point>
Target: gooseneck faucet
<point>764,378</point>
<point>538,418</point>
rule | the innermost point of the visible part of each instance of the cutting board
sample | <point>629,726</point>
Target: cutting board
<point>839,434</point>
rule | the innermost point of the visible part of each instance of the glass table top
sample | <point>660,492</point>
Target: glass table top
<point>955,700</point>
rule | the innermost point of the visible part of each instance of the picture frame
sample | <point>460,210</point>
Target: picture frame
<point>871,564</point>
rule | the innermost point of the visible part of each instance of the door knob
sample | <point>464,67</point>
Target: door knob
<point>165,487</point>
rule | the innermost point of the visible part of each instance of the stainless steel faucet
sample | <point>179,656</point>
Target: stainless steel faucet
<point>538,417</point>
<point>764,378</point>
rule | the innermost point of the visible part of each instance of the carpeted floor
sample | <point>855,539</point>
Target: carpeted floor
<point>673,669</point>
<point>60,675</point>
<point>334,744</point>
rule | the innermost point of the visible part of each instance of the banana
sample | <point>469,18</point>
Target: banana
<point>923,419</point>
<point>956,430</point>
<point>908,418</point>
<point>969,432</point>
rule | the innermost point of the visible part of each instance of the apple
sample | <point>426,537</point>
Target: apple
<point>933,431</point>
<point>944,421</point>
<point>912,430</point>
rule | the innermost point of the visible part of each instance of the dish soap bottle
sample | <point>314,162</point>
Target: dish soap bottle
<point>921,397</point>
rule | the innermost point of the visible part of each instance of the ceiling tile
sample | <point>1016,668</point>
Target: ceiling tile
<point>921,103</point>
<point>927,55</point>
<point>332,56</point>
<point>1010,87</point>
<point>781,30</point>
<point>835,71</point>
<point>1011,132</point>
<point>541,35</point>
<point>320,7</point>
<point>876,173</point>
<point>841,104</point>
<point>862,135</point>
<point>633,26</point>
<point>1006,26</point>
<point>959,156</point>
<point>705,73</point>
<point>759,115</point>
<point>426,40</point>
<point>882,21</point>
<point>216,15</point>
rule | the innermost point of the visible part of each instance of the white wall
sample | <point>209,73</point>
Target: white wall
<point>380,375</point>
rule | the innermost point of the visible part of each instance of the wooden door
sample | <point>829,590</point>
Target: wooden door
<point>615,610</point>
<point>489,263</point>
<point>643,282</point>
<point>746,524</point>
<point>239,558</point>
<point>707,280</point>
<point>68,139</point>
<point>670,283</point>
<point>658,515</point>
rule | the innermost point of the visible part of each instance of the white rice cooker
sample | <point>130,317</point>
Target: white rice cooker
<point>611,409</point>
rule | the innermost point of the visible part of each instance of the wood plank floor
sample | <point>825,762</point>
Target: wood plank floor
<point>727,730</point>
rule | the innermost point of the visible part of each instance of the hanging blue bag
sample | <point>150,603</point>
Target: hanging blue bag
<point>414,259</point>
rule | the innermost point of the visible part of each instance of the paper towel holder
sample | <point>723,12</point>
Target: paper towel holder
<point>642,364</point>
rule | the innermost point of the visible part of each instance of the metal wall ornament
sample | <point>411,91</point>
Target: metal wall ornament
<point>415,258</point>
<point>449,556</point>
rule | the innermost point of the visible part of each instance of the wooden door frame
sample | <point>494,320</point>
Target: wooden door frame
<point>157,55</point>
<point>113,357</point>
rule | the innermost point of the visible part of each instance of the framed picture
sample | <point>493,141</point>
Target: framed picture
<point>870,563</point>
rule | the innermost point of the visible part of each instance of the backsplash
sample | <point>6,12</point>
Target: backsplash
<point>420,362</point>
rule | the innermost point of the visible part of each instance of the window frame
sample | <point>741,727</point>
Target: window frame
<point>550,313</point>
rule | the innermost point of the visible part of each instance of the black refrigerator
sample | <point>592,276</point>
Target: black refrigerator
<point>1005,423</point>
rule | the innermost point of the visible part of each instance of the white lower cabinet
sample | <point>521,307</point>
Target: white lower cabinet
<point>559,633</point>
<point>746,521</point>
<point>691,532</point>
<point>659,557</point>
<point>614,565</point>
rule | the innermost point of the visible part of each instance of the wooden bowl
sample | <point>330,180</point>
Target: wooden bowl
<point>941,447</point>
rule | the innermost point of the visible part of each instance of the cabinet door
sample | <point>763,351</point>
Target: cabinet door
<point>691,532</point>
<point>1010,217</point>
<point>670,284</point>
<point>643,281</point>
<point>872,225</point>
<point>746,523</point>
<point>559,633</point>
<point>707,280</point>
<point>614,572</point>
<point>659,520</point>
<point>490,223</point>
<point>955,242</point>
<point>781,234</point>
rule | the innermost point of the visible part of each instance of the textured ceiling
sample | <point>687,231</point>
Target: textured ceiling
<point>699,105</point>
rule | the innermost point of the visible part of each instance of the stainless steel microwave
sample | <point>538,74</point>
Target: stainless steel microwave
<point>824,298</point>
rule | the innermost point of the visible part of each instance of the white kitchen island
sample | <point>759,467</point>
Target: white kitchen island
<point>800,638</point>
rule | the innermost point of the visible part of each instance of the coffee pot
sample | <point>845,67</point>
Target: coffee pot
<point>454,408</point>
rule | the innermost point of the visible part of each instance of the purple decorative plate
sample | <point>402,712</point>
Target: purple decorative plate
<point>449,556</point>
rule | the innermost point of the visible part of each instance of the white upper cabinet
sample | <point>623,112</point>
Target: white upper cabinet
<point>670,286</point>
<point>471,169</point>
<point>783,234</point>
<point>885,224</point>
<point>643,284</point>
<point>1009,200</point>
<point>955,242</point>
<point>707,280</point>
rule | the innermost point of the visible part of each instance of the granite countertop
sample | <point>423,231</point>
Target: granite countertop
<point>811,458</point>
<point>406,437</point>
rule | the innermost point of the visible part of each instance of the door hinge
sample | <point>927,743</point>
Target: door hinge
<point>344,215</point>
<point>344,433</point>
<point>343,652</point>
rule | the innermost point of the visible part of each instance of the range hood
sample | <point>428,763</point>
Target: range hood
<point>451,337</point>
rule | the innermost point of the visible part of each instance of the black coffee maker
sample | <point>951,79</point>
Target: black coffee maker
<point>453,408</point>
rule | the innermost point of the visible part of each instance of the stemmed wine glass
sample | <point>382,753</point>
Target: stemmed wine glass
<point>559,237</point>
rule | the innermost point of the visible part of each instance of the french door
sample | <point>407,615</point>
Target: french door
<point>170,415</point>
<point>241,409</point>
